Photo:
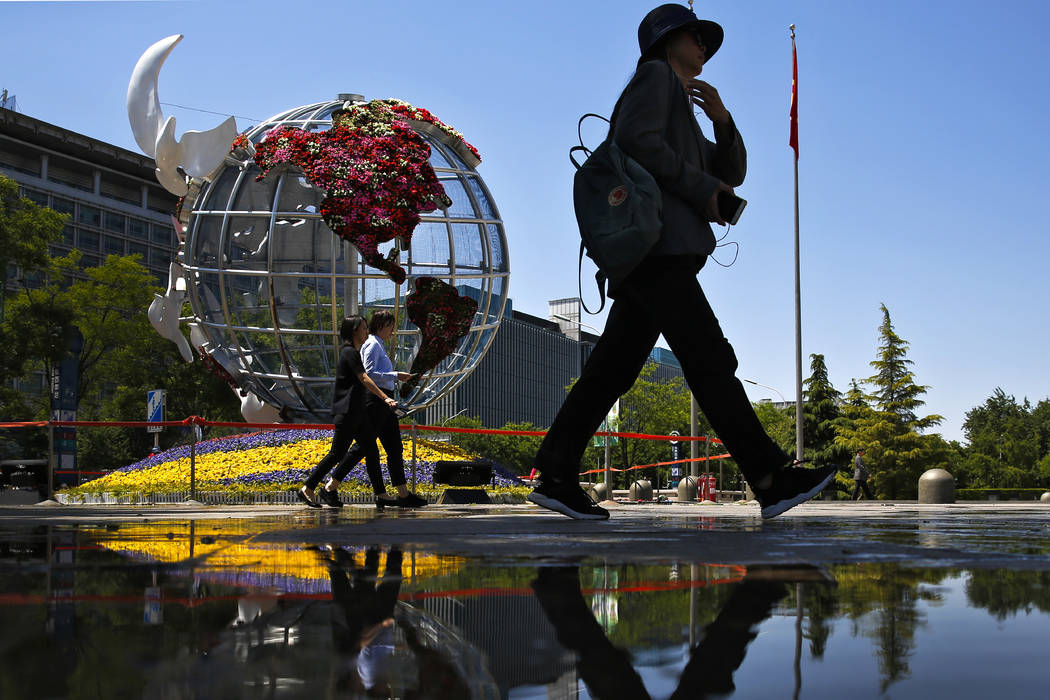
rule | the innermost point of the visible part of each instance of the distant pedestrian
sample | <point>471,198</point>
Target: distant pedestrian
<point>349,416</point>
<point>653,122</point>
<point>860,477</point>
<point>383,418</point>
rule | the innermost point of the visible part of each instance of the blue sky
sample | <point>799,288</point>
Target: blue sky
<point>923,169</point>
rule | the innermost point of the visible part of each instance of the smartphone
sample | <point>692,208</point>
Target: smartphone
<point>730,207</point>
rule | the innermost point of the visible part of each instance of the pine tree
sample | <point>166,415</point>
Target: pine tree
<point>820,417</point>
<point>895,388</point>
<point>884,422</point>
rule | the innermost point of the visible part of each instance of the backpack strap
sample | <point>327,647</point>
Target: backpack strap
<point>579,134</point>
<point>599,277</point>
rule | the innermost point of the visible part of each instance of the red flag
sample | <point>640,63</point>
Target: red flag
<point>793,141</point>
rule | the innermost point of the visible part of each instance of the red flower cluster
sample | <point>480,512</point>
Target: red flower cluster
<point>240,141</point>
<point>375,171</point>
<point>443,317</point>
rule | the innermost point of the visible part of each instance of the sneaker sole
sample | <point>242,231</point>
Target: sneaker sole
<point>559,507</point>
<point>781,506</point>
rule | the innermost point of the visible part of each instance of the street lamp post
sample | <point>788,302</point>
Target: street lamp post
<point>765,386</point>
<point>572,320</point>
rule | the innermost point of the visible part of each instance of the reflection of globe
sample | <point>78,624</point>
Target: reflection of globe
<point>269,283</point>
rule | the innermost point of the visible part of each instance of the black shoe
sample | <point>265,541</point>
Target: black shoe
<point>567,499</point>
<point>306,499</point>
<point>410,501</point>
<point>329,498</point>
<point>792,486</point>
<point>382,503</point>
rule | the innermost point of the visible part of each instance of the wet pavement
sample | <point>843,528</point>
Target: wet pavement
<point>686,601</point>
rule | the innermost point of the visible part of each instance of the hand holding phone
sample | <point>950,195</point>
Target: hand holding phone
<point>730,207</point>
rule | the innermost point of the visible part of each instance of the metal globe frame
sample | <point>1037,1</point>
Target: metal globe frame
<point>269,283</point>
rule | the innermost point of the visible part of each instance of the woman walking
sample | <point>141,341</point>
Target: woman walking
<point>382,417</point>
<point>350,418</point>
<point>653,122</point>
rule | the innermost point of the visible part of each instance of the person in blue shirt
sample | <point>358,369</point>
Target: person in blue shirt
<point>349,413</point>
<point>382,416</point>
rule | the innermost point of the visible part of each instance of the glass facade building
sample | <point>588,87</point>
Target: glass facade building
<point>113,200</point>
<point>524,375</point>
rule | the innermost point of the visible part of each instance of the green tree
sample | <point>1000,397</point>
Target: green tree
<point>652,407</point>
<point>779,424</point>
<point>123,357</point>
<point>820,417</point>
<point>885,423</point>
<point>514,452</point>
<point>1005,443</point>
<point>26,229</point>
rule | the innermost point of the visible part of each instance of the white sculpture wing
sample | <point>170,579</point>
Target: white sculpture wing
<point>198,153</point>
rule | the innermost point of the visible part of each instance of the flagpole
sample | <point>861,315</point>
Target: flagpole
<point>799,438</point>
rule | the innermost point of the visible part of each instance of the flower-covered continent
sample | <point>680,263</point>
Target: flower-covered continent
<point>443,317</point>
<point>375,171</point>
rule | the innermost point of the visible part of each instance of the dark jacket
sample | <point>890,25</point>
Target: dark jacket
<point>349,395</point>
<point>654,124</point>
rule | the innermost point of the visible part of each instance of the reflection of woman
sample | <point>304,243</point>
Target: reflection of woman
<point>364,631</point>
<point>349,416</point>
<point>607,669</point>
<point>382,417</point>
<point>363,619</point>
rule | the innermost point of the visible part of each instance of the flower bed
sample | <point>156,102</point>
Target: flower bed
<point>267,462</point>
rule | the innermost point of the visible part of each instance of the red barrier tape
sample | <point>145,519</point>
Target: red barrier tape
<point>659,464</point>
<point>197,420</point>
<point>736,574</point>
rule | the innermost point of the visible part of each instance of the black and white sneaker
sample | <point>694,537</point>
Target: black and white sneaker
<point>792,486</point>
<point>567,499</point>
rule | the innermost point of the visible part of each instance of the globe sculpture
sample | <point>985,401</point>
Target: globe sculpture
<point>269,283</point>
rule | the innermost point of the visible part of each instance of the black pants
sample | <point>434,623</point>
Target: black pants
<point>661,296</point>
<point>362,602</point>
<point>348,429</point>
<point>607,669</point>
<point>384,422</point>
<point>859,484</point>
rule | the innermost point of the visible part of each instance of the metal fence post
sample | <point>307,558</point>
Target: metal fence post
<point>50,459</point>
<point>193,463</point>
<point>694,449</point>
<point>415,434</point>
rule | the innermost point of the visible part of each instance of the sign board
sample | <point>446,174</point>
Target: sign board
<point>155,410</point>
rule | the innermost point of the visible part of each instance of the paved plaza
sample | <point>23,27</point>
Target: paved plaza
<point>985,535</point>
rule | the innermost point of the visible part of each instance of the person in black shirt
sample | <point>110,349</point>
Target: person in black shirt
<point>348,414</point>
<point>653,122</point>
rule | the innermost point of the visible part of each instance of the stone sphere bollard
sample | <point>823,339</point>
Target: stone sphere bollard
<point>599,492</point>
<point>641,490</point>
<point>687,489</point>
<point>1045,498</point>
<point>936,486</point>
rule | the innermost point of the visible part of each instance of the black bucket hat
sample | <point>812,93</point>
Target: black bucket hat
<point>667,18</point>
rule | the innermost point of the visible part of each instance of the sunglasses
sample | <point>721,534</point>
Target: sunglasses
<point>699,37</point>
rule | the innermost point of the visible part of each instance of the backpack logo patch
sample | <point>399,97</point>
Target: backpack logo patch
<point>617,196</point>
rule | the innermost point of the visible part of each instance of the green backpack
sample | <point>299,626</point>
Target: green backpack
<point>618,209</point>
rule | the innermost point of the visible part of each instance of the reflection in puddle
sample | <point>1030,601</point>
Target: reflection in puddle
<point>200,610</point>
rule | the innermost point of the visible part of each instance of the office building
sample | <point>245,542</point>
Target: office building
<point>114,202</point>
